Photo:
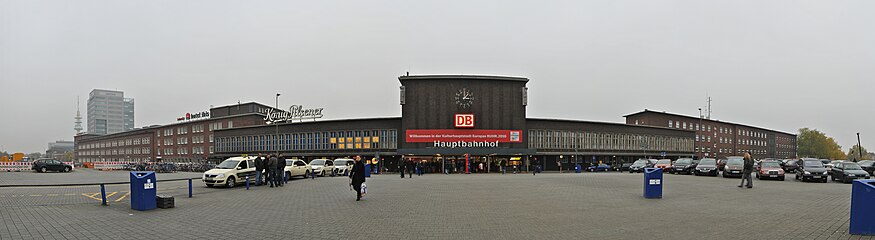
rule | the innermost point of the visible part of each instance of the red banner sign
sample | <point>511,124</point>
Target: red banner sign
<point>453,135</point>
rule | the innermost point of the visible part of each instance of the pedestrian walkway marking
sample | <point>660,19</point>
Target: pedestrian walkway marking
<point>51,195</point>
<point>110,195</point>
<point>123,197</point>
<point>36,195</point>
<point>92,196</point>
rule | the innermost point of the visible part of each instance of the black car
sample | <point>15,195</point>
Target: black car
<point>44,165</point>
<point>867,166</point>
<point>811,170</point>
<point>622,167</point>
<point>683,166</point>
<point>639,165</point>
<point>846,172</point>
<point>707,167</point>
<point>790,166</point>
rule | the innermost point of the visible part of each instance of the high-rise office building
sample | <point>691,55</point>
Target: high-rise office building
<point>109,112</point>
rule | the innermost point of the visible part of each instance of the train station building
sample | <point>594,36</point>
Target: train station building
<point>447,122</point>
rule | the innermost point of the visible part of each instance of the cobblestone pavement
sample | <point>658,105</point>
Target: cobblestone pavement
<point>521,206</point>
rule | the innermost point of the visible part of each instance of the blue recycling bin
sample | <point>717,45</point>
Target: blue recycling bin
<point>653,183</point>
<point>863,207</point>
<point>143,191</point>
<point>577,168</point>
<point>367,170</point>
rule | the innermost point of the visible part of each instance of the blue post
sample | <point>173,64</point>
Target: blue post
<point>103,193</point>
<point>247,182</point>
<point>189,188</point>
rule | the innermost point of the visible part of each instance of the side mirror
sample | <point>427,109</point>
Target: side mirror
<point>239,168</point>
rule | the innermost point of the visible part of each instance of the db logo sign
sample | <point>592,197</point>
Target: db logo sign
<point>464,120</point>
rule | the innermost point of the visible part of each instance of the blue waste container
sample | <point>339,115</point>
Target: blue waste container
<point>367,170</point>
<point>863,207</point>
<point>577,168</point>
<point>653,183</point>
<point>143,191</point>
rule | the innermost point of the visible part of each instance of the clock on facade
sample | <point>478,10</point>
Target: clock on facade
<point>464,98</point>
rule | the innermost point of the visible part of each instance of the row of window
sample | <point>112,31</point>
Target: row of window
<point>115,159</point>
<point>561,139</point>
<point>182,151</point>
<point>184,140</point>
<point>334,140</point>
<point>721,130</point>
<point>195,128</point>
<point>115,151</point>
<point>116,143</point>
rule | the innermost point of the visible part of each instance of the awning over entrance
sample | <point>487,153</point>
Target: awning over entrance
<point>461,151</point>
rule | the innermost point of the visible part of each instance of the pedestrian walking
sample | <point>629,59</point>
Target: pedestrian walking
<point>272,162</point>
<point>748,168</point>
<point>559,163</point>
<point>357,177</point>
<point>401,168</point>
<point>281,170</point>
<point>259,166</point>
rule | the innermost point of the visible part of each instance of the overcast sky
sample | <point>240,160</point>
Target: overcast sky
<point>775,64</point>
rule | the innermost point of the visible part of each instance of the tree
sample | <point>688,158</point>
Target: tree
<point>854,154</point>
<point>813,143</point>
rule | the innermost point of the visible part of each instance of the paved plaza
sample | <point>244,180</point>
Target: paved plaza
<point>476,206</point>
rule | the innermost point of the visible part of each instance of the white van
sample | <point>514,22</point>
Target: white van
<point>231,171</point>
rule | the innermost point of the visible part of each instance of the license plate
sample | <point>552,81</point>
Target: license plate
<point>773,175</point>
<point>734,171</point>
<point>816,176</point>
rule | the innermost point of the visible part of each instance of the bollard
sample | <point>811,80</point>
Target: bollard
<point>247,182</point>
<point>103,193</point>
<point>189,188</point>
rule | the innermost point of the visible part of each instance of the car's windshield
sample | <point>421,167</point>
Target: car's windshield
<point>666,161</point>
<point>735,161</point>
<point>813,164</point>
<point>290,162</point>
<point>339,162</point>
<point>866,163</point>
<point>684,161</point>
<point>228,164</point>
<point>640,162</point>
<point>852,166</point>
<point>317,162</point>
<point>771,165</point>
<point>708,161</point>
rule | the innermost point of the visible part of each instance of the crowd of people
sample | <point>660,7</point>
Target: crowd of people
<point>269,170</point>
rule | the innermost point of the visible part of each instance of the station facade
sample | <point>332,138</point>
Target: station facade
<point>454,122</point>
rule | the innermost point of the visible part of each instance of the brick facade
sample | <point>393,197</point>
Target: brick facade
<point>719,139</point>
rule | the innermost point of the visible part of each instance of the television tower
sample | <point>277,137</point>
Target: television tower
<point>78,126</point>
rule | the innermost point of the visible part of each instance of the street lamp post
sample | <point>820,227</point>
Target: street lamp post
<point>276,138</point>
<point>697,132</point>
<point>859,147</point>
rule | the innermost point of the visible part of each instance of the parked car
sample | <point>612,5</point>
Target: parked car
<point>846,172</point>
<point>811,169</point>
<point>826,164</point>
<point>624,167</point>
<point>832,164</point>
<point>734,167</point>
<point>664,164</point>
<point>868,166</point>
<point>230,171</point>
<point>789,166</point>
<point>683,166</point>
<point>707,166</point>
<point>599,168</point>
<point>43,165</point>
<point>639,165</point>
<point>322,166</point>
<point>296,167</point>
<point>770,169</point>
<point>343,165</point>
<point>721,164</point>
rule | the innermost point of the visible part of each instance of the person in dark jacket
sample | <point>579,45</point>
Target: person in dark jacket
<point>271,170</point>
<point>281,170</point>
<point>748,168</point>
<point>401,168</point>
<point>259,166</point>
<point>357,177</point>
